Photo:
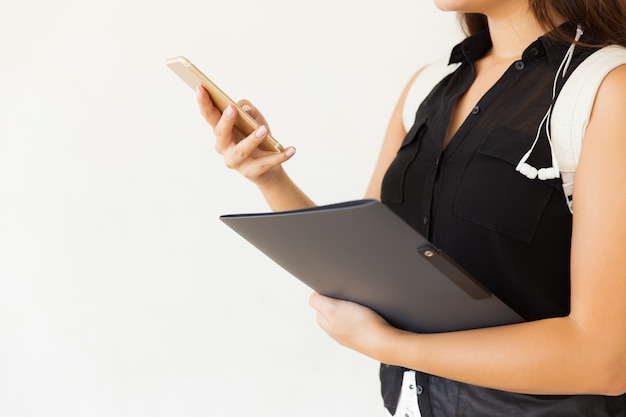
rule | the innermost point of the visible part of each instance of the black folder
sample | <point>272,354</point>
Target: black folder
<point>361,251</point>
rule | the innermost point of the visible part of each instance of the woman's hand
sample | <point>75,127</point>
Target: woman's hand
<point>354,326</point>
<point>239,152</point>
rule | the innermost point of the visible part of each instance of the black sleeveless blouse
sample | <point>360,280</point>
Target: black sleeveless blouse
<point>512,233</point>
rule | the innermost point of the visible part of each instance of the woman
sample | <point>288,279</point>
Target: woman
<point>452,176</point>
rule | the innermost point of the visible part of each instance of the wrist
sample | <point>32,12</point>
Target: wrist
<point>271,180</point>
<point>281,193</point>
<point>394,345</point>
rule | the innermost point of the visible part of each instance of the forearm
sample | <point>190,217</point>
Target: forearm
<point>282,194</point>
<point>553,356</point>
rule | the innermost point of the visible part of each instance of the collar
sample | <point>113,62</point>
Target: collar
<point>471,48</point>
<point>476,46</point>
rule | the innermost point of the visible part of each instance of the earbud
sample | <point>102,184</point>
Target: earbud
<point>548,173</point>
<point>529,171</point>
<point>551,172</point>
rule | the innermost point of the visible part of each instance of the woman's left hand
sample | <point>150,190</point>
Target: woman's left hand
<point>353,325</point>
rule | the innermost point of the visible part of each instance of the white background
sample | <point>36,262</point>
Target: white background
<point>121,292</point>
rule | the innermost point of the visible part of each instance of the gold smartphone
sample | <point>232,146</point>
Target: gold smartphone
<point>245,123</point>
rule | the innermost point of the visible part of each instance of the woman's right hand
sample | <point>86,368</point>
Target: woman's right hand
<point>239,152</point>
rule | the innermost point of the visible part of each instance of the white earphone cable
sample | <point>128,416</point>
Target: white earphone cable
<point>550,172</point>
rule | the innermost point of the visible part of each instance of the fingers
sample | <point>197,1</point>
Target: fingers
<point>243,155</point>
<point>239,152</point>
<point>223,123</point>
<point>321,305</point>
<point>227,136</point>
<point>229,139</point>
<point>225,132</point>
<point>252,111</point>
<point>210,113</point>
<point>249,108</point>
<point>255,168</point>
<point>320,302</point>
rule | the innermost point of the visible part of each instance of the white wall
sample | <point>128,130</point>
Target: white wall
<point>121,293</point>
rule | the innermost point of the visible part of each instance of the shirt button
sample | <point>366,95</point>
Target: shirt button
<point>519,65</point>
<point>420,390</point>
<point>534,51</point>
<point>426,219</point>
<point>476,110</point>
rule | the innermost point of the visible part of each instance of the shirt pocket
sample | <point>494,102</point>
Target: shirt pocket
<point>392,191</point>
<point>492,194</point>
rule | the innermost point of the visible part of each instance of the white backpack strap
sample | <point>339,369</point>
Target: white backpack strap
<point>422,85</point>
<point>572,109</point>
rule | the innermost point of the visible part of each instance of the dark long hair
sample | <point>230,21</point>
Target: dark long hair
<point>603,20</point>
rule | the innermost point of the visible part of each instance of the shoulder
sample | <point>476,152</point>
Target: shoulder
<point>609,66</point>
<point>612,92</point>
<point>601,167</point>
<point>594,95</point>
<point>610,100</point>
<point>607,115</point>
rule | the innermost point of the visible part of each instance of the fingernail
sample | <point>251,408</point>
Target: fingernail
<point>260,132</point>
<point>199,92</point>
<point>229,111</point>
<point>290,152</point>
<point>246,108</point>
